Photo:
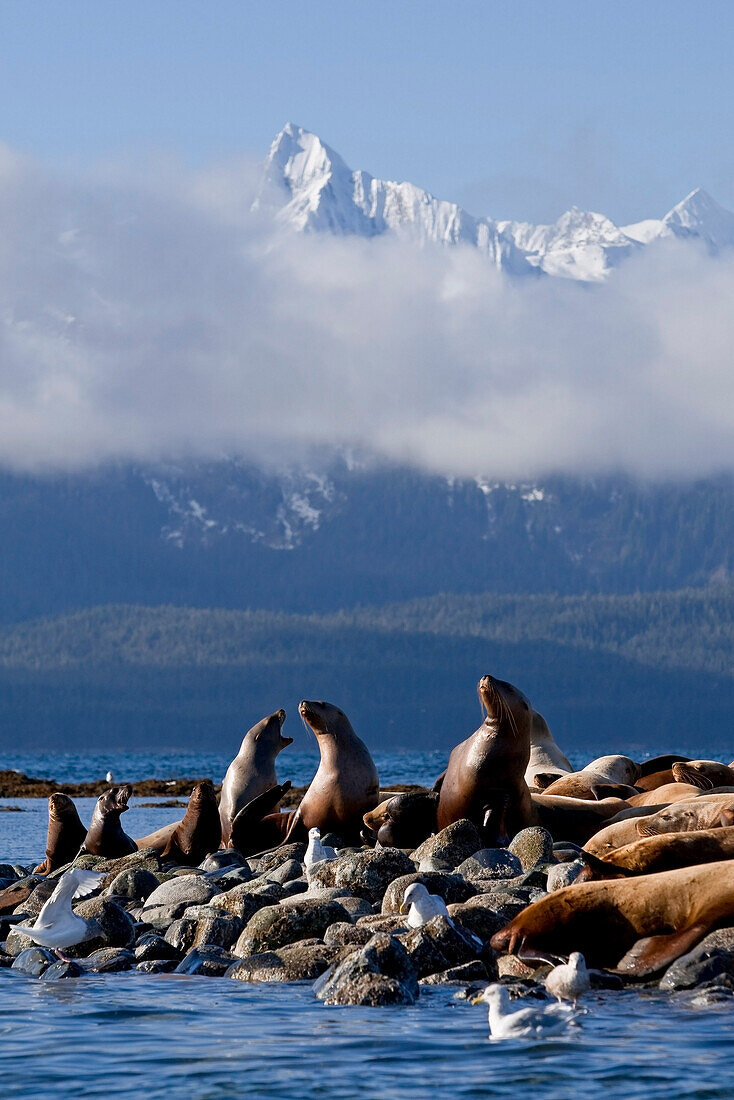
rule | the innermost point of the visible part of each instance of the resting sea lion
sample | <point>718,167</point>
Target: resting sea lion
<point>655,780</point>
<point>200,832</point>
<point>485,777</point>
<point>547,763</point>
<point>346,784</point>
<point>573,819</point>
<point>613,836</point>
<point>672,850</point>
<point>637,926</point>
<point>65,833</point>
<point>105,836</point>
<point>598,777</point>
<point>704,774</point>
<point>659,763</point>
<point>670,792</point>
<point>252,772</point>
<point>687,817</point>
<point>403,821</point>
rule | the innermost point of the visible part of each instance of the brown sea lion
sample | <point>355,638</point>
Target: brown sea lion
<point>259,826</point>
<point>573,819</point>
<point>606,776</point>
<point>346,784</point>
<point>547,763</point>
<point>704,774</point>
<point>637,926</point>
<point>403,821</point>
<point>671,792</point>
<point>704,812</point>
<point>655,780</point>
<point>252,772</point>
<point>200,832</point>
<point>485,777</point>
<point>672,850</point>
<point>105,836</point>
<point>65,833</point>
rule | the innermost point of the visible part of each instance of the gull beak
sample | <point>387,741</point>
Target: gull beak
<point>478,999</point>
<point>404,908</point>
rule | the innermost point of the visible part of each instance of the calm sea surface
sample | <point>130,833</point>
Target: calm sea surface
<point>131,1035</point>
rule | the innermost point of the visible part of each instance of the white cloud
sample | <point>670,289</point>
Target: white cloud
<point>151,316</point>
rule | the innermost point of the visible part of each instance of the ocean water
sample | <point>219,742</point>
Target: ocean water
<point>132,1035</point>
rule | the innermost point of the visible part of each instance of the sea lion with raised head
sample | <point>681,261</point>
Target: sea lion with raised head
<point>346,784</point>
<point>200,832</point>
<point>105,836</point>
<point>252,772</point>
<point>485,777</point>
<point>403,821</point>
<point>259,825</point>
<point>607,776</point>
<point>547,763</point>
<point>704,774</point>
<point>65,836</point>
<point>637,926</point>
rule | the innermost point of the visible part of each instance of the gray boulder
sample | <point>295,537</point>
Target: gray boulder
<point>134,882</point>
<point>109,960</point>
<point>490,863</point>
<point>452,888</point>
<point>169,900</point>
<point>209,961</point>
<point>112,926</point>
<point>451,846</point>
<point>365,874</point>
<point>698,966</point>
<point>157,966</point>
<point>486,914</point>
<point>380,973</point>
<point>532,846</point>
<point>61,969</point>
<point>151,946</point>
<point>278,925</point>
<point>33,961</point>
<point>474,971</point>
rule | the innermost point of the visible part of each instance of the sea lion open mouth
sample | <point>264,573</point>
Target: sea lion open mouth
<point>120,797</point>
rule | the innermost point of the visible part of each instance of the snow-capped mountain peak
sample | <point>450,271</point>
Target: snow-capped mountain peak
<point>311,188</point>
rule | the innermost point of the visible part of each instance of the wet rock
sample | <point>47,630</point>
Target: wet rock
<point>218,931</point>
<point>698,966</point>
<point>509,966</point>
<point>564,874</point>
<point>424,952</point>
<point>278,925</point>
<point>532,846</point>
<point>365,874</point>
<point>10,871</point>
<point>474,971</point>
<point>5,960</point>
<point>209,961</point>
<point>380,973</point>
<point>452,888</point>
<point>229,877</point>
<point>602,979</point>
<point>272,860</point>
<point>491,863</point>
<point>722,940</point>
<point>242,901</point>
<point>33,961</point>
<point>288,869</point>
<point>169,900</point>
<point>112,926</point>
<point>718,991</point>
<point>157,966</point>
<point>61,969</point>
<point>225,858</point>
<point>341,933</point>
<point>305,963</point>
<point>264,966</point>
<point>448,947</point>
<point>451,845</point>
<point>134,882</point>
<point>151,946</point>
<point>109,960</point>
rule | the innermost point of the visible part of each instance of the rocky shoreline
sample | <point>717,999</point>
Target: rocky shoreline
<point>264,919</point>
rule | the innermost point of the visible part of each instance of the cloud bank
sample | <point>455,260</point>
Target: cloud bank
<point>149,315</point>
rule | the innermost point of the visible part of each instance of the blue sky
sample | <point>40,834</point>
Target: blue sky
<point>516,109</point>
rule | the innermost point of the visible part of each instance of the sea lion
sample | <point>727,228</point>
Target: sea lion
<point>65,833</point>
<point>485,777</point>
<point>637,926</point>
<point>659,763</point>
<point>605,776</point>
<point>105,836</point>
<point>547,763</point>
<point>670,792</point>
<point>672,850</point>
<point>258,826</point>
<point>403,821</point>
<point>346,784</point>
<point>687,817</point>
<point>612,837</point>
<point>655,780</point>
<point>200,832</point>
<point>704,774</point>
<point>573,819</point>
<point>252,772</point>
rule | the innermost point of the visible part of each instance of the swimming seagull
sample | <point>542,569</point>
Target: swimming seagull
<point>317,852</point>
<point>523,1023</point>
<point>570,980</point>
<point>57,925</point>
<point>422,907</point>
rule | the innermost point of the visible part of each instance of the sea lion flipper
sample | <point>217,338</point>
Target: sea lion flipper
<point>541,780</point>
<point>652,953</point>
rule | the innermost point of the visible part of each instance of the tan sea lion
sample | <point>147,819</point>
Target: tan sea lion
<point>105,836</point>
<point>704,774</point>
<point>485,777</point>
<point>605,776</point>
<point>669,851</point>
<point>637,926</point>
<point>252,772</point>
<point>670,792</point>
<point>547,763</point>
<point>65,836</point>
<point>655,780</point>
<point>200,832</point>
<point>613,836</point>
<point>704,812</point>
<point>346,784</point>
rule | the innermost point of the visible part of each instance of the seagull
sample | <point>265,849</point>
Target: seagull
<point>533,1023</point>
<point>57,925</point>
<point>109,778</point>
<point>569,980</point>
<point>316,851</point>
<point>422,907</point>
